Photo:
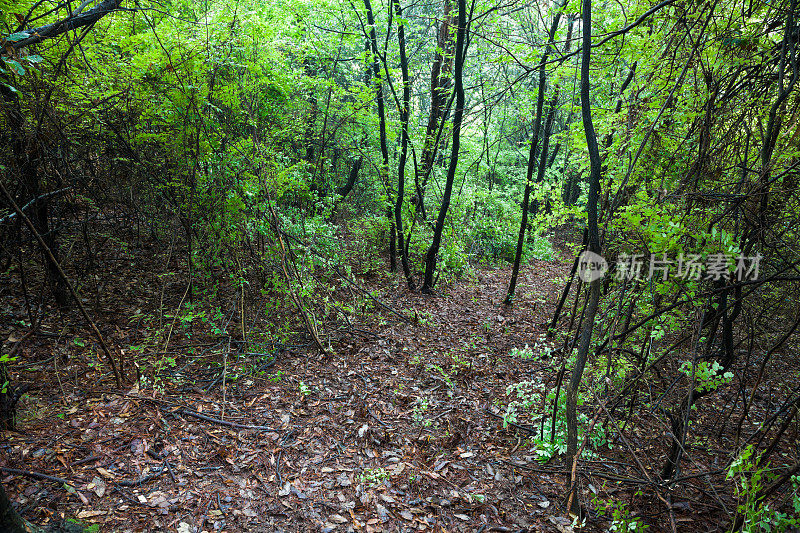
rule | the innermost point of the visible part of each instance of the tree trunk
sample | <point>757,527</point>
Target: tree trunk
<point>352,178</point>
<point>440,82</point>
<point>593,242</point>
<point>401,164</point>
<point>532,157</point>
<point>384,172</point>
<point>10,520</point>
<point>433,251</point>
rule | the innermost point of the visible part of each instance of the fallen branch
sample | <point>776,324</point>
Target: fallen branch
<point>224,422</point>
<point>526,429</point>
<point>143,479</point>
<point>35,475</point>
<point>38,198</point>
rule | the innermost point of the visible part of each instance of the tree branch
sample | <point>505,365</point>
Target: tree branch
<point>48,31</point>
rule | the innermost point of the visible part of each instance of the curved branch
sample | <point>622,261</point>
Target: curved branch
<point>48,31</point>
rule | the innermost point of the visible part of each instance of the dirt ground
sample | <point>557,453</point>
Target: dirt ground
<point>397,429</point>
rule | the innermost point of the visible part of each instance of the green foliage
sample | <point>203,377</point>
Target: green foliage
<point>707,376</point>
<point>750,476</point>
<point>369,238</point>
<point>420,413</point>
<point>620,516</point>
<point>374,477</point>
<point>530,398</point>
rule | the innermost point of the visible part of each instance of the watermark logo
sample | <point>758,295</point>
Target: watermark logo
<point>591,266</point>
<point>716,266</point>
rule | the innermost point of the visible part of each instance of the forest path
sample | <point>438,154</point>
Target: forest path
<point>397,430</point>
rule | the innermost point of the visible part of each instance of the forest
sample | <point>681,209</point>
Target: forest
<point>399,265</point>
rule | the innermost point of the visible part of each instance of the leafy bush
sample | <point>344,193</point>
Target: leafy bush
<point>749,476</point>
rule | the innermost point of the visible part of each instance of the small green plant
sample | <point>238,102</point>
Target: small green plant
<point>621,519</point>
<point>749,477</point>
<point>277,377</point>
<point>458,362</point>
<point>522,353</point>
<point>374,477</point>
<point>542,348</point>
<point>708,376</point>
<point>529,398</point>
<point>443,373</point>
<point>424,318</point>
<point>304,389</point>
<point>420,413</point>
<point>94,528</point>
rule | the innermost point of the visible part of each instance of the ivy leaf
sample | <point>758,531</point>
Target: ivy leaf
<point>15,66</point>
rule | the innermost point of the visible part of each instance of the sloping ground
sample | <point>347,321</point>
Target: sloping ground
<point>393,431</point>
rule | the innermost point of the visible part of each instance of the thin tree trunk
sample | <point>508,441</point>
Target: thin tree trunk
<point>384,171</point>
<point>352,178</point>
<point>433,251</point>
<point>401,164</point>
<point>532,157</point>
<point>593,241</point>
<point>440,81</point>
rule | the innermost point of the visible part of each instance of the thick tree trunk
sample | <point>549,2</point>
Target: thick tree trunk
<point>10,520</point>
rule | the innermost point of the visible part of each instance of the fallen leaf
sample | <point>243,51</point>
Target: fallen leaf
<point>337,518</point>
<point>98,486</point>
<point>105,473</point>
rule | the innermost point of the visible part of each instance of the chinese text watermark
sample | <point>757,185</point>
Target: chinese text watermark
<point>716,266</point>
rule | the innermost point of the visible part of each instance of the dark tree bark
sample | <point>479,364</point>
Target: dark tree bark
<point>593,244</point>
<point>10,520</point>
<point>352,178</point>
<point>379,98</point>
<point>71,22</point>
<point>401,164</point>
<point>440,87</point>
<point>533,154</point>
<point>433,251</point>
<point>26,154</point>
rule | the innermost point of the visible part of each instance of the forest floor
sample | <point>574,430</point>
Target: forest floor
<point>398,429</point>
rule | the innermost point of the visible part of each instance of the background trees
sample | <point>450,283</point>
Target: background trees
<point>275,149</point>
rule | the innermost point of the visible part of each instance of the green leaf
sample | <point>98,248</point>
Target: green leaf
<point>18,36</point>
<point>34,58</point>
<point>15,66</point>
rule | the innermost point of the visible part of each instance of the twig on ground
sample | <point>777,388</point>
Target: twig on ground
<point>35,475</point>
